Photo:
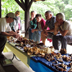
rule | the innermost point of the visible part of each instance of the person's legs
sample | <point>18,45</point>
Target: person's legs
<point>43,37</point>
<point>68,38</point>
<point>30,34</point>
<point>38,36</point>
<point>63,40</point>
<point>55,41</point>
<point>3,40</point>
<point>50,35</point>
<point>34,36</point>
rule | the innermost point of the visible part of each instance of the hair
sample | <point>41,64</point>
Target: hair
<point>38,15</point>
<point>17,12</point>
<point>6,16</point>
<point>49,12</point>
<point>61,16</point>
<point>34,12</point>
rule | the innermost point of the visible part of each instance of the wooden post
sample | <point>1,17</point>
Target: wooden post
<point>26,22</point>
<point>26,17</point>
<point>0,8</point>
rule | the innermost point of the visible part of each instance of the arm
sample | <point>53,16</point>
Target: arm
<point>33,24</point>
<point>54,21</point>
<point>52,30</point>
<point>11,33</point>
<point>66,28</point>
<point>56,29</point>
<point>63,32</point>
<point>6,34</point>
<point>45,27</point>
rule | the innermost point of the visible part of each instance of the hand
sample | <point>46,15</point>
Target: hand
<point>32,30</point>
<point>32,18</point>
<point>20,38</point>
<point>57,24</point>
<point>45,33</point>
<point>16,35</point>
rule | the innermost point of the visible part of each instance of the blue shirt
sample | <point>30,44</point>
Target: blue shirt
<point>51,23</point>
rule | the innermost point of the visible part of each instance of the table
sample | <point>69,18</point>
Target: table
<point>38,64</point>
<point>20,54</point>
<point>39,67</point>
<point>27,60</point>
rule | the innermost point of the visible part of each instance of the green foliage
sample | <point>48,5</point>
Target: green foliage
<point>55,6</point>
<point>11,6</point>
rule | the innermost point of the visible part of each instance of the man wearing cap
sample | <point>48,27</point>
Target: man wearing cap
<point>5,30</point>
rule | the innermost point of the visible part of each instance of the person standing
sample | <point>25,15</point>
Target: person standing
<point>40,25</point>
<point>5,30</point>
<point>33,24</point>
<point>16,24</point>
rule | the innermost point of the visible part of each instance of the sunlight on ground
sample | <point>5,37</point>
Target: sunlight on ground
<point>69,47</point>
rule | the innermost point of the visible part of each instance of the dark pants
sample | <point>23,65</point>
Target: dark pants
<point>50,35</point>
<point>3,40</point>
<point>63,39</point>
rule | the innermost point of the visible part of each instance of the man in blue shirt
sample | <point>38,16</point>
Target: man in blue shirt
<point>50,20</point>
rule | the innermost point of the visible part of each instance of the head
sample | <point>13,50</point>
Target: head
<point>17,13</point>
<point>10,17</point>
<point>48,15</point>
<point>38,17</point>
<point>60,17</point>
<point>33,14</point>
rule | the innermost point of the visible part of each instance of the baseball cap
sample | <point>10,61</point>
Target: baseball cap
<point>12,15</point>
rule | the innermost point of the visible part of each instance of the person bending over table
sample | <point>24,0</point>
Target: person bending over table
<point>50,20</point>
<point>65,28</point>
<point>5,30</point>
<point>40,25</point>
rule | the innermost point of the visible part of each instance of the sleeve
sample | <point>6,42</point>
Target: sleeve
<point>66,26</point>
<point>33,24</point>
<point>54,20</point>
<point>8,28</point>
<point>47,23</point>
<point>44,22</point>
<point>2,27</point>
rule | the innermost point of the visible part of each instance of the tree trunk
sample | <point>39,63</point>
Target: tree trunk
<point>26,23</point>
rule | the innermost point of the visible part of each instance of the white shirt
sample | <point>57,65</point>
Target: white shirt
<point>4,26</point>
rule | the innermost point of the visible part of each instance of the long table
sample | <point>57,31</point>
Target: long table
<point>20,54</point>
<point>27,60</point>
<point>38,64</point>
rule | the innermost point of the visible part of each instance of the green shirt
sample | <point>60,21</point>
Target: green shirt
<point>33,23</point>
